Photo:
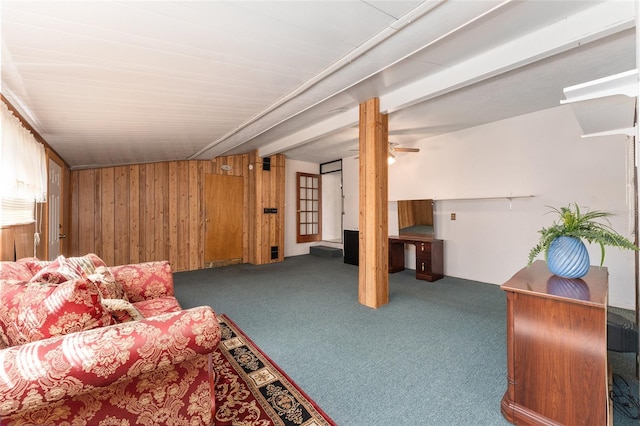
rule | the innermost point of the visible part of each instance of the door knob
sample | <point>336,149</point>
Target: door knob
<point>62,236</point>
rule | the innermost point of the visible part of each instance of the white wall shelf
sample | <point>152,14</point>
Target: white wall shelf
<point>499,197</point>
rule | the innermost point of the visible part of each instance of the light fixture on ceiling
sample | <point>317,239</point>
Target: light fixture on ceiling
<point>391,153</point>
<point>226,167</point>
<point>391,158</point>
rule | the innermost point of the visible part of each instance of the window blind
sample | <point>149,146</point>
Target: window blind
<point>23,171</point>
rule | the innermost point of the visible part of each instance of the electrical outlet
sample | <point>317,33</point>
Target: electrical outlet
<point>453,216</point>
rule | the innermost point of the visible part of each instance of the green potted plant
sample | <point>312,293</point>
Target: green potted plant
<point>562,242</point>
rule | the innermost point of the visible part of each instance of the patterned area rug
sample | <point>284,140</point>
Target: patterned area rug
<point>252,390</point>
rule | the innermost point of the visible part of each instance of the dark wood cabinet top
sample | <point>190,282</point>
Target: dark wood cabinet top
<point>537,279</point>
<point>411,238</point>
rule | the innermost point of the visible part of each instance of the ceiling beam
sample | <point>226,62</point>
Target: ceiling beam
<point>587,26</point>
<point>335,123</point>
<point>301,95</point>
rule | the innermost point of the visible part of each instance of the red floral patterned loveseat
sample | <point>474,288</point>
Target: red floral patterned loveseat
<point>84,344</point>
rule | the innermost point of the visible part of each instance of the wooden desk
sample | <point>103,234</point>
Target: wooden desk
<point>556,348</point>
<point>429,257</point>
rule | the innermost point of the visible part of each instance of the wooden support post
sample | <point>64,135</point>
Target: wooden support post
<point>373,274</point>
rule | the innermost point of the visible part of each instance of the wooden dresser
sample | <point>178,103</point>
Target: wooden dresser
<point>556,348</point>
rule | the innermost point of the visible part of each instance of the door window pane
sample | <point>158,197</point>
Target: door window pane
<point>308,202</point>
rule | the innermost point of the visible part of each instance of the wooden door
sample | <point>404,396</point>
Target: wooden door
<point>54,219</point>
<point>309,208</point>
<point>223,198</point>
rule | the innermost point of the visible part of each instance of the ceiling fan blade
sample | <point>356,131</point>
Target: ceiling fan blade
<point>406,149</point>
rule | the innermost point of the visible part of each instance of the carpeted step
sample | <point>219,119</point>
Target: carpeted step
<point>325,251</point>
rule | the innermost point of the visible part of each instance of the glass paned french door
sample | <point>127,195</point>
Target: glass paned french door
<point>308,208</point>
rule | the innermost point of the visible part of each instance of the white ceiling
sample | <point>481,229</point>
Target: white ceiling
<point>108,83</point>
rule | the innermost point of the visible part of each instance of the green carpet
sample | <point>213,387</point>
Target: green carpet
<point>435,355</point>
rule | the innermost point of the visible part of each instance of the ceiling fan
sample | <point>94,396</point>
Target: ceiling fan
<point>393,149</point>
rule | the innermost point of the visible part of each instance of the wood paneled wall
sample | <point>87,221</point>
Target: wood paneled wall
<point>16,242</point>
<point>266,230</point>
<point>145,212</point>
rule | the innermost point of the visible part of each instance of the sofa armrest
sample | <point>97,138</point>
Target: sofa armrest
<point>43,372</point>
<point>145,281</point>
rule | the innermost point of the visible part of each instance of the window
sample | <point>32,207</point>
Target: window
<point>23,171</point>
<point>308,208</point>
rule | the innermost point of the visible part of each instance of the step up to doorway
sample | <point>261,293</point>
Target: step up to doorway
<point>325,251</point>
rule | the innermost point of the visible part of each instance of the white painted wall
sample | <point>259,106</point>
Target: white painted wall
<point>539,154</point>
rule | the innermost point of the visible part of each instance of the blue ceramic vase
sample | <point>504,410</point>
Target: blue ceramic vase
<point>568,257</point>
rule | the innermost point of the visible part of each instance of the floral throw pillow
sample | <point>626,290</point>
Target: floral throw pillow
<point>94,268</point>
<point>14,271</point>
<point>90,266</point>
<point>35,311</point>
<point>107,285</point>
<point>34,264</point>
<point>58,271</point>
<point>121,310</point>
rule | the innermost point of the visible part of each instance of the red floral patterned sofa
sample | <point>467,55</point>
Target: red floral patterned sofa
<point>84,344</point>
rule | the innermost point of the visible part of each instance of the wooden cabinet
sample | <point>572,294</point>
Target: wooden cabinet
<point>429,256</point>
<point>556,348</point>
<point>429,260</point>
